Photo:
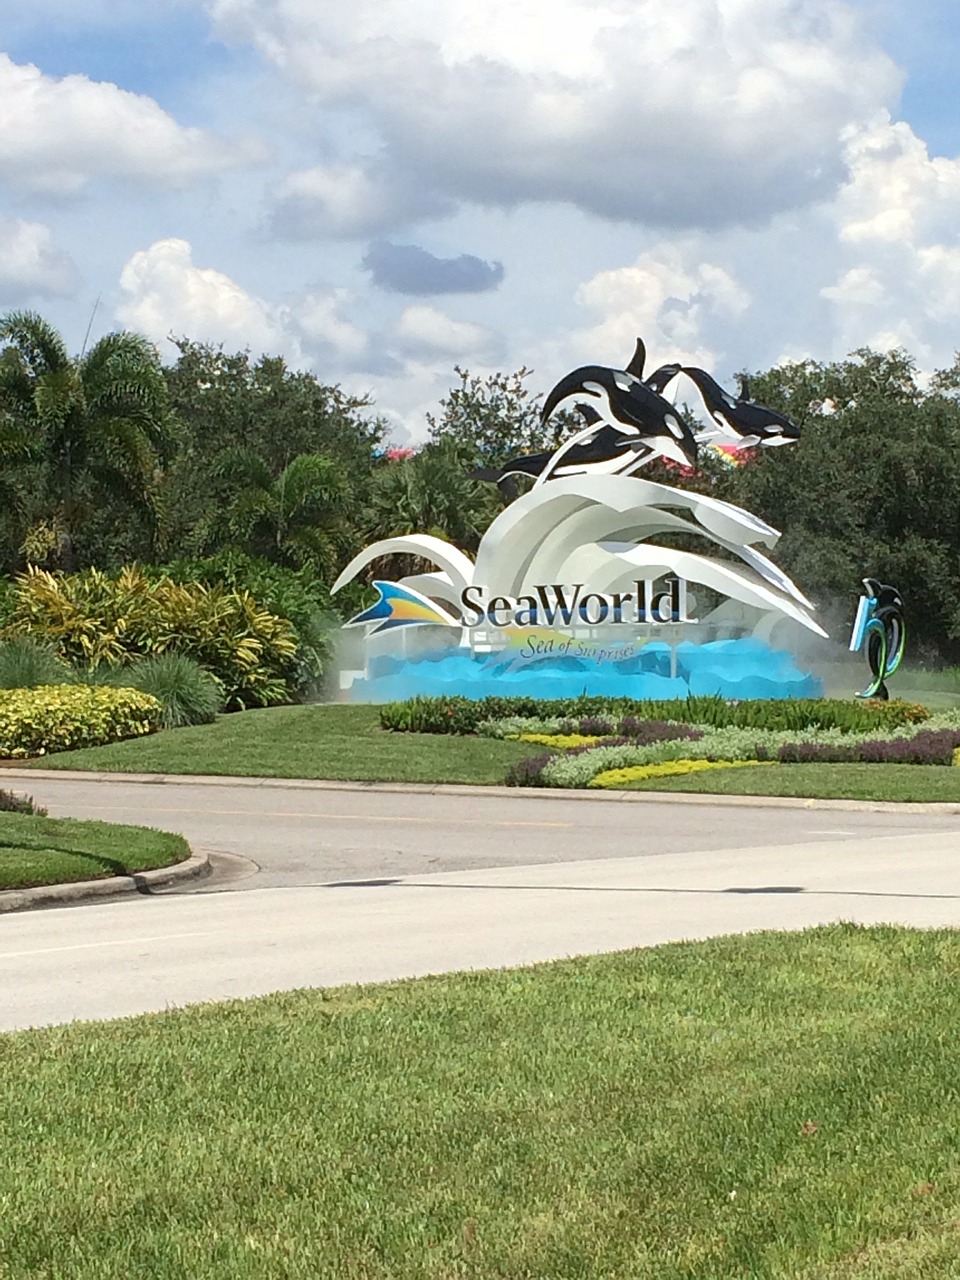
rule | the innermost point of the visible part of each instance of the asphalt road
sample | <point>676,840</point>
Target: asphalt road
<point>363,885</point>
<point>308,835</point>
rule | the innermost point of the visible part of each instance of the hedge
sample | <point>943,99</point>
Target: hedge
<point>462,715</point>
<point>35,722</point>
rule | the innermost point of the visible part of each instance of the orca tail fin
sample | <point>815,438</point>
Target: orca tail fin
<point>638,360</point>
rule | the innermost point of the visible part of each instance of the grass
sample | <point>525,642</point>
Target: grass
<point>346,743</point>
<point>900,782</point>
<point>35,851</point>
<point>337,742</point>
<point>751,1108</point>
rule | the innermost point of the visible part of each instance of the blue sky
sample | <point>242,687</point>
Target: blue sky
<point>924,39</point>
<point>381,189</point>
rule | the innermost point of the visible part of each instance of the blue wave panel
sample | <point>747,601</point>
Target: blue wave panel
<point>736,669</point>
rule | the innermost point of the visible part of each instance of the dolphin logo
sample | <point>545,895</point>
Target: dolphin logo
<point>880,625</point>
<point>402,607</point>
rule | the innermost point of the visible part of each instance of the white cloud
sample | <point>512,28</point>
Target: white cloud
<point>31,263</point>
<point>425,331</point>
<point>897,225</point>
<point>669,297</point>
<point>347,200</point>
<point>697,113</point>
<point>317,319</point>
<point>56,135</point>
<point>163,293</point>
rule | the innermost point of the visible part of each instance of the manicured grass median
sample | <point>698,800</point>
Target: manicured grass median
<point>346,743</point>
<point>901,782</point>
<point>339,742</point>
<point>765,1107</point>
<point>35,851</point>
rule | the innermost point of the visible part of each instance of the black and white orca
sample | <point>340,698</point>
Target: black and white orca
<point>739,419</point>
<point>631,408</point>
<point>628,421</point>
<point>605,452</point>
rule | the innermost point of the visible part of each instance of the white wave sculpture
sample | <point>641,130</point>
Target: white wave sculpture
<point>591,530</point>
<point>595,529</point>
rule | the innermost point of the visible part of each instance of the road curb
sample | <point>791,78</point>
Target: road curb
<point>196,867</point>
<point>458,789</point>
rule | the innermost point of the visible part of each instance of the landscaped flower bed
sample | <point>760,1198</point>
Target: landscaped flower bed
<point>461,715</point>
<point>595,743</point>
<point>938,744</point>
<point>613,778</point>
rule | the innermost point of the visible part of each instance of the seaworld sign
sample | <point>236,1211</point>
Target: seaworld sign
<point>561,605</point>
<point>592,546</point>
<point>556,605</point>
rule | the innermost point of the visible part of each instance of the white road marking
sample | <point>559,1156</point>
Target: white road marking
<point>282,813</point>
<point>110,942</point>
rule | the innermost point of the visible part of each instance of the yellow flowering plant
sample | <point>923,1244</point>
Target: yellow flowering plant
<point>37,722</point>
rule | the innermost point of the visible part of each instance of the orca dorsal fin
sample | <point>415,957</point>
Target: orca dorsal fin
<point>638,360</point>
<point>744,386</point>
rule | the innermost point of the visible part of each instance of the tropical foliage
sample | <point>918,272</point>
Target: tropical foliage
<point>186,692</point>
<point>92,619</point>
<point>92,427</point>
<point>109,458</point>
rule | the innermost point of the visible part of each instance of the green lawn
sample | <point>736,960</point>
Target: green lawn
<point>902,782</point>
<point>743,1109</point>
<point>339,742</point>
<point>35,850</point>
<point>346,743</point>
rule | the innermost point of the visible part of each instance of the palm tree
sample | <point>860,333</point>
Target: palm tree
<point>303,516</point>
<point>432,492</point>
<point>99,421</point>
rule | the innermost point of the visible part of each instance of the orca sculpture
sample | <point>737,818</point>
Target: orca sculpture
<point>738,418</point>
<point>628,421</point>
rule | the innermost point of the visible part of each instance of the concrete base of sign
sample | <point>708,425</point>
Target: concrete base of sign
<point>744,668</point>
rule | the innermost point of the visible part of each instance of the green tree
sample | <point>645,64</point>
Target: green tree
<point>229,402</point>
<point>432,492</point>
<point>869,490</point>
<point>99,424</point>
<point>495,419</point>
<point>305,516</point>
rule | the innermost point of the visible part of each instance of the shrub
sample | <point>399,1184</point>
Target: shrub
<point>25,664</point>
<point>297,595</point>
<point>641,731</point>
<point>561,741</point>
<point>926,747</point>
<point>92,619</point>
<point>526,773</point>
<point>462,715</point>
<point>12,802</point>
<point>35,722</point>
<point>613,778</point>
<point>187,694</point>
